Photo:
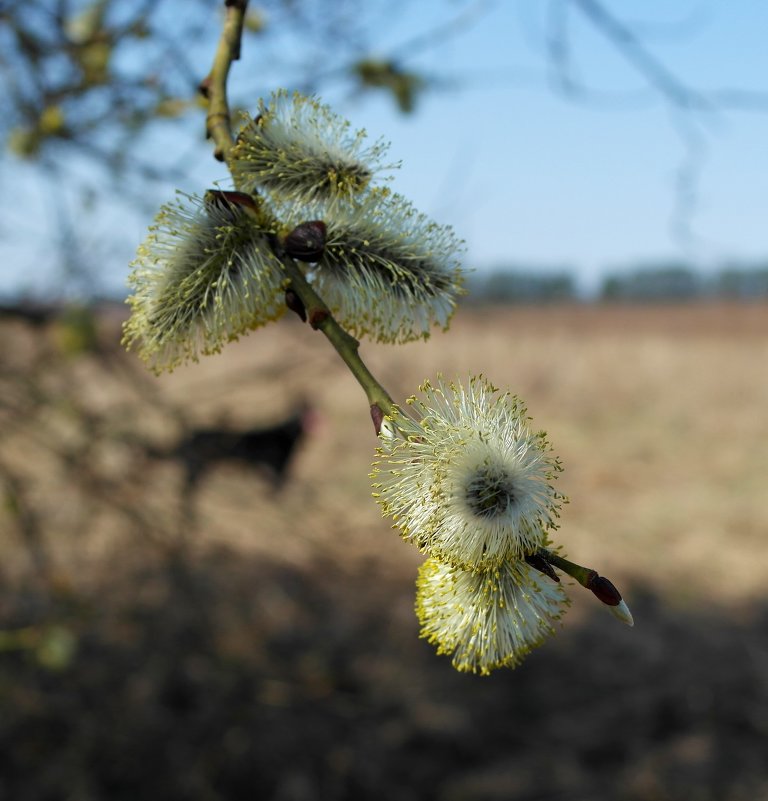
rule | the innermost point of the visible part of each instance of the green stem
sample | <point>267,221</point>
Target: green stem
<point>584,575</point>
<point>601,587</point>
<point>346,346</point>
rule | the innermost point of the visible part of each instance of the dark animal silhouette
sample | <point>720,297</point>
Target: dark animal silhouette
<point>35,314</point>
<point>269,449</point>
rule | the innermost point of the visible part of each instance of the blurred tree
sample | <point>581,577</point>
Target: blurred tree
<point>91,87</point>
<point>658,282</point>
<point>523,285</point>
<point>740,282</point>
<point>93,75</point>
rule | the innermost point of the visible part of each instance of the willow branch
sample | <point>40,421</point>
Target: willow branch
<point>320,318</point>
<point>601,587</point>
<point>214,89</point>
<point>214,86</point>
<point>665,81</point>
<point>584,575</point>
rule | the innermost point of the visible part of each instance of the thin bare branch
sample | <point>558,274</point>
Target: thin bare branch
<point>214,87</point>
<point>655,72</point>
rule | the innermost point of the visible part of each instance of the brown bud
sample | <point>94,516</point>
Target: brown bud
<point>204,87</point>
<point>294,303</point>
<point>377,416</point>
<point>537,561</point>
<point>307,241</point>
<point>605,591</point>
<point>317,317</point>
<point>226,200</point>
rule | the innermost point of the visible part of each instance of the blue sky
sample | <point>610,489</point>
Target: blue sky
<point>529,177</point>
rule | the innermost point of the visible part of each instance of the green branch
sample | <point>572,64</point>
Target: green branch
<point>602,588</point>
<point>320,318</point>
<point>584,575</point>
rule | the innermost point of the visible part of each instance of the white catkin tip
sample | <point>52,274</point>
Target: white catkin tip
<point>622,613</point>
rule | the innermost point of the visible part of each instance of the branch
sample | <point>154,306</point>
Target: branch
<point>654,71</point>
<point>320,318</point>
<point>214,86</point>
<point>602,588</point>
<point>657,75</point>
<point>311,305</point>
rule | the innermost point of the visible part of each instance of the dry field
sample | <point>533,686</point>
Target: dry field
<point>262,643</point>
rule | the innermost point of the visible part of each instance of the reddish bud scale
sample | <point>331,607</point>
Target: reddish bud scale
<point>307,241</point>
<point>317,317</point>
<point>294,303</point>
<point>604,591</point>
<point>377,416</point>
<point>223,199</point>
<point>205,87</point>
<point>538,562</point>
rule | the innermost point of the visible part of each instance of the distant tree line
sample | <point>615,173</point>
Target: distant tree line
<point>653,283</point>
<point>521,285</point>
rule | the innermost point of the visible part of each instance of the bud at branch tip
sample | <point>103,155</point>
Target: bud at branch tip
<point>622,613</point>
<point>602,588</point>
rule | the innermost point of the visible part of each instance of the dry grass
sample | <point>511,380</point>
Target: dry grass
<point>659,414</point>
<point>270,649</point>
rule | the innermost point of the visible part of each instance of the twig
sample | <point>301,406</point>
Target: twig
<point>654,71</point>
<point>320,318</point>
<point>214,86</point>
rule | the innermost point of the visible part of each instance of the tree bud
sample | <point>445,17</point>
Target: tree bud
<point>307,241</point>
<point>294,303</point>
<point>317,317</point>
<point>537,561</point>
<point>225,200</point>
<point>605,591</point>
<point>621,611</point>
<point>377,416</point>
